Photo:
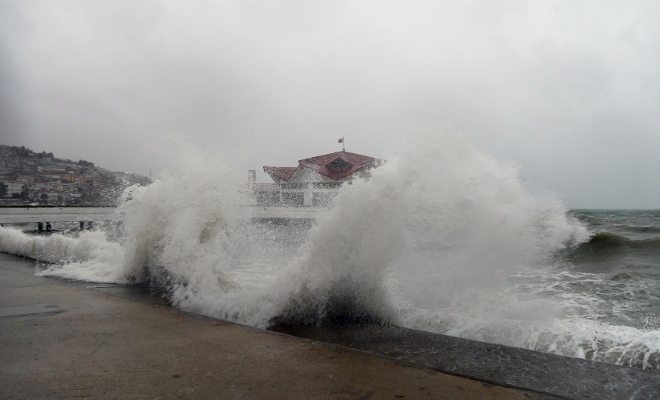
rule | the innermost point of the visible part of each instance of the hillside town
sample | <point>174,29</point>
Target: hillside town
<point>31,178</point>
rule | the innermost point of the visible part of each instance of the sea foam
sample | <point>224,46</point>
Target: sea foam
<point>431,241</point>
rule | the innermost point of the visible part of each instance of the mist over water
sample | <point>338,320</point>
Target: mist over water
<point>441,238</point>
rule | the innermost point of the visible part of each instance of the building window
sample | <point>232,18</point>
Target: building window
<point>327,185</point>
<point>268,198</point>
<point>295,185</point>
<point>295,199</point>
<point>339,164</point>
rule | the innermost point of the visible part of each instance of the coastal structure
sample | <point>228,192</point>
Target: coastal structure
<point>314,182</point>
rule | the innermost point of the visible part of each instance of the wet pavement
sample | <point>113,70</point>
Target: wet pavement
<point>565,377</point>
<point>61,339</point>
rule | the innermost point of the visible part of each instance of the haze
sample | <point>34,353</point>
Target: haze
<point>568,90</point>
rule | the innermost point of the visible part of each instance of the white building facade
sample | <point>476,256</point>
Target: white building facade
<point>314,182</point>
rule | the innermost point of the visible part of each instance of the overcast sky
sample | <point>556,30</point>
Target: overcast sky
<point>568,90</point>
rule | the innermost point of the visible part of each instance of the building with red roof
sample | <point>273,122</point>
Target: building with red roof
<point>314,182</point>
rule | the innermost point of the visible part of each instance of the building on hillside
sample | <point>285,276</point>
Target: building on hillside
<point>314,182</point>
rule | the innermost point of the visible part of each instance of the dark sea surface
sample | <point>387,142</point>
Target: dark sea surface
<point>621,265</point>
<point>612,286</point>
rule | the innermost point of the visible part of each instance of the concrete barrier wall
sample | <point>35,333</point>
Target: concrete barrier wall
<point>16,215</point>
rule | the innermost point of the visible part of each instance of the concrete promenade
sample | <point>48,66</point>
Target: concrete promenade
<point>26,215</point>
<point>70,340</point>
<point>21,215</point>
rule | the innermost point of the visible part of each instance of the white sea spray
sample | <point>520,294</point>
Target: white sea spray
<point>434,240</point>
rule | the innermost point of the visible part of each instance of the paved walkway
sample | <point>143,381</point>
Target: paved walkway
<point>70,340</point>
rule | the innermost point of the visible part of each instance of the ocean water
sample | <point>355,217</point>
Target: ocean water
<point>442,238</point>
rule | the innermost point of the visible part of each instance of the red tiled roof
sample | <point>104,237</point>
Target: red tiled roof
<point>283,173</point>
<point>340,164</point>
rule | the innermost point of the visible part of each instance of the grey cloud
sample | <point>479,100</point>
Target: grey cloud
<point>567,90</point>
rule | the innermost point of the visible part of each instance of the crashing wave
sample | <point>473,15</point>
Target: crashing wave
<point>430,241</point>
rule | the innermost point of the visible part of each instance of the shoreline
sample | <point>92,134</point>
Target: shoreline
<point>39,316</point>
<point>69,339</point>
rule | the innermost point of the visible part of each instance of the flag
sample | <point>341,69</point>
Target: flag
<point>341,140</point>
